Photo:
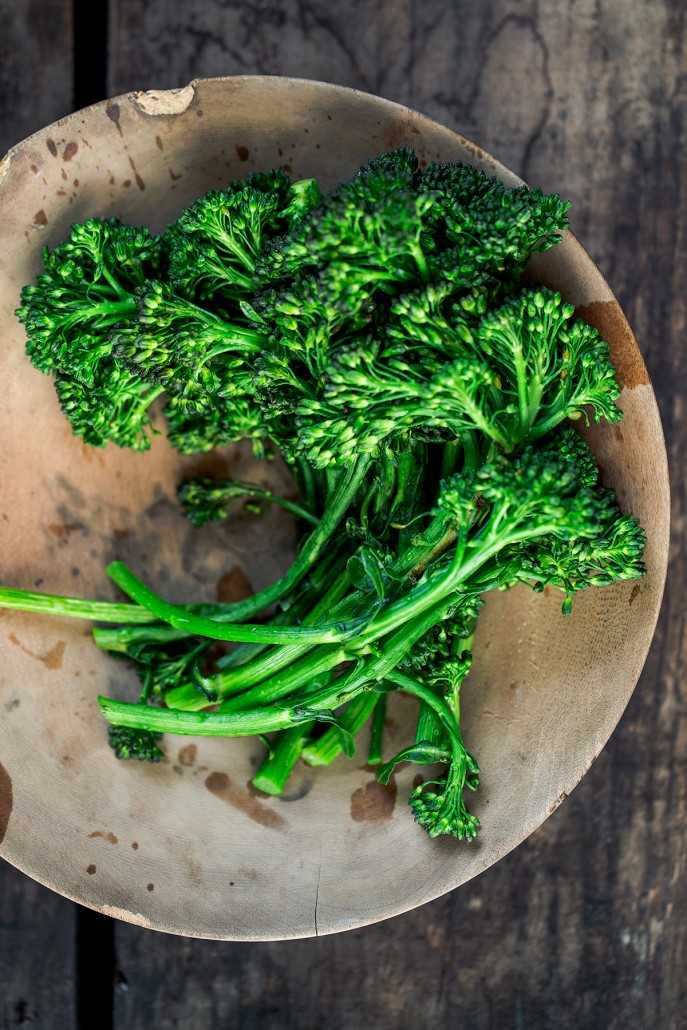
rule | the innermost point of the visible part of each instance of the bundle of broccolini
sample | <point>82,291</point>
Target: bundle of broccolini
<point>381,339</point>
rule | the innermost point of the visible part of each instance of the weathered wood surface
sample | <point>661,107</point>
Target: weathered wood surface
<point>37,954</point>
<point>585,924</point>
<point>37,928</point>
<point>35,66</point>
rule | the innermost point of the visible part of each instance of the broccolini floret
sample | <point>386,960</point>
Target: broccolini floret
<point>87,289</point>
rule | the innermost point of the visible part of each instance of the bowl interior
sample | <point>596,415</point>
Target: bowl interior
<point>187,846</point>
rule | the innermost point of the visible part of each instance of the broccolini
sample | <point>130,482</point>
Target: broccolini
<point>380,338</point>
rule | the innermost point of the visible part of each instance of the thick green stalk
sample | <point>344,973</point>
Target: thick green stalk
<point>234,680</point>
<point>189,698</point>
<point>435,540</point>
<point>437,704</point>
<point>272,775</point>
<point>378,665</point>
<point>285,750</point>
<point>465,562</point>
<point>429,728</point>
<point>296,710</point>
<point>122,638</point>
<point>306,479</point>
<point>401,619</point>
<point>328,747</point>
<point>199,724</point>
<point>314,546</point>
<point>451,455</point>
<point>313,550</point>
<point>74,607</point>
<point>196,625</point>
<point>287,682</point>
<point>374,756</point>
<point>471,452</point>
<point>423,598</point>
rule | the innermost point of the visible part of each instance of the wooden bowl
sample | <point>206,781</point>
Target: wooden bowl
<point>187,846</point>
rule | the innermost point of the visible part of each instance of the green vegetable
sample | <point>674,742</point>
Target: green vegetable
<point>381,339</point>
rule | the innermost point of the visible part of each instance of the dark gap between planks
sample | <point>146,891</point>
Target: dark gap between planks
<point>95,955</point>
<point>90,24</point>
<point>95,970</point>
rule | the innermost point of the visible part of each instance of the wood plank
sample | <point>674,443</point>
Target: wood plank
<point>36,67</point>
<point>37,952</point>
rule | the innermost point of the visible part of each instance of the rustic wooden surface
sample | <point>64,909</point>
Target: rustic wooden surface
<point>585,925</point>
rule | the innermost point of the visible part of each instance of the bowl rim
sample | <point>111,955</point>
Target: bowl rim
<point>443,886</point>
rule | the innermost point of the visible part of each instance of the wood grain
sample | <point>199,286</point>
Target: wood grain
<point>36,66</point>
<point>37,928</point>
<point>584,925</point>
<point>37,960</point>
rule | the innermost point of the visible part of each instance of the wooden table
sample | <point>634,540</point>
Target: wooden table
<point>585,924</point>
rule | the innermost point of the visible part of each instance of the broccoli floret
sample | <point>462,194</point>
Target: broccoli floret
<point>222,421</point>
<point>88,287</point>
<point>129,742</point>
<point>376,240</point>
<point>189,351</point>
<point>512,374</point>
<point>443,811</point>
<point>206,500</point>
<point>214,246</point>
<point>487,225</point>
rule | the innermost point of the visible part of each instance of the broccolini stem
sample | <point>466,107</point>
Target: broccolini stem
<point>201,724</point>
<point>146,400</point>
<point>554,419</point>
<point>187,697</point>
<point>376,666</point>
<point>453,696</point>
<point>439,706</point>
<point>272,775</point>
<point>74,607</point>
<point>420,261</point>
<point>222,491</point>
<point>314,546</point>
<point>112,282</point>
<point>523,393</point>
<point>115,310</point>
<point>471,455</point>
<point>374,756</point>
<point>180,618</point>
<point>429,728</point>
<point>285,751</point>
<point>306,479</point>
<point>286,683</point>
<point>233,681</point>
<point>328,747</point>
<point>296,509</point>
<point>449,459</point>
<point>266,720</point>
<point>123,637</point>
<point>446,584</point>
